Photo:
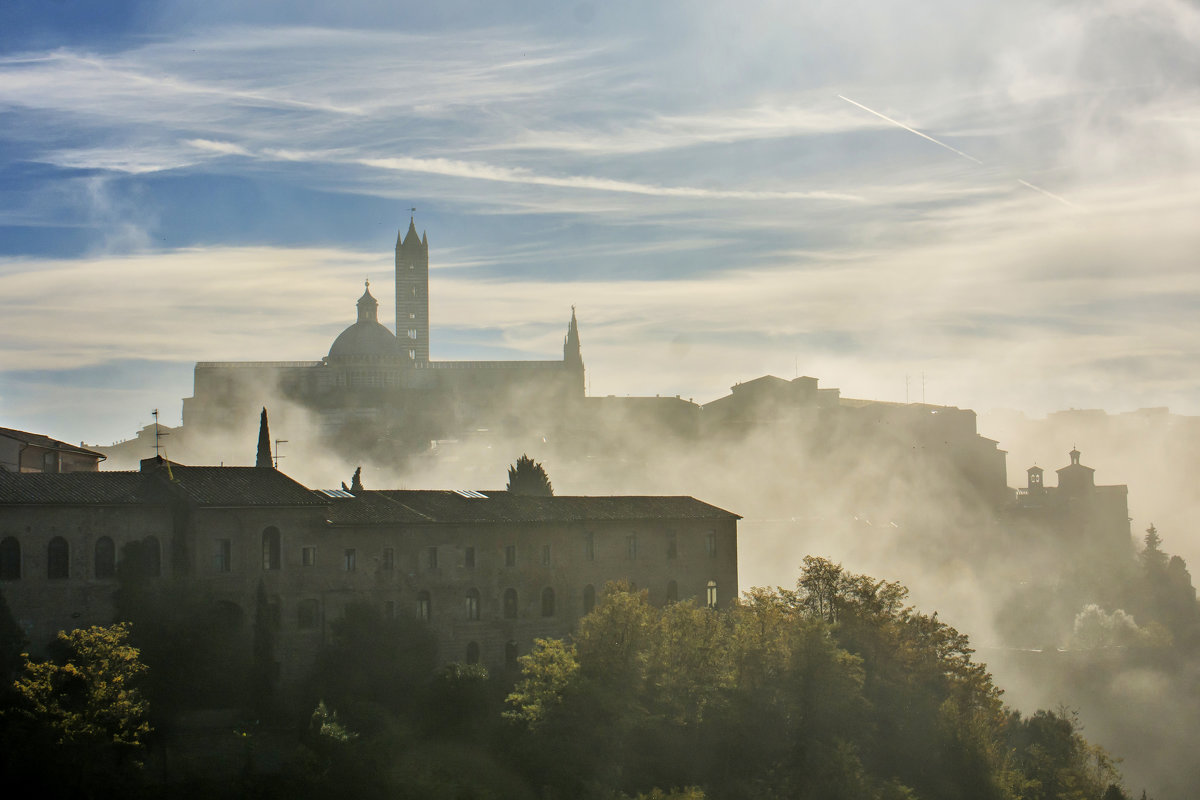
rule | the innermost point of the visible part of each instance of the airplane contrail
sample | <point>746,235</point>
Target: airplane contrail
<point>911,130</point>
<point>956,151</point>
<point>1051,195</point>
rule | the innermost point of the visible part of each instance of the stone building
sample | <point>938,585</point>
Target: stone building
<point>1077,511</point>
<point>488,571</point>
<point>378,384</point>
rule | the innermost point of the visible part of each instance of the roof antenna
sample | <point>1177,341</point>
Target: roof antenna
<point>277,456</point>
<point>413,214</point>
<point>158,434</point>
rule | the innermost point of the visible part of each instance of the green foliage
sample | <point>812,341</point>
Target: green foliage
<point>91,697</point>
<point>374,661</point>
<point>528,477</point>
<point>835,689</point>
<point>12,646</point>
<point>199,650</point>
<point>78,724</point>
<point>546,673</point>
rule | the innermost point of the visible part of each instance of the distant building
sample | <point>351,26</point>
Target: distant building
<point>378,385</point>
<point>1077,510</point>
<point>488,571</point>
<point>21,451</point>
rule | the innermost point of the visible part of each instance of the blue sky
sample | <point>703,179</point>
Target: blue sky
<point>186,181</point>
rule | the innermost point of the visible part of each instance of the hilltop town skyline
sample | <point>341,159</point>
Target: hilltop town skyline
<point>999,198</point>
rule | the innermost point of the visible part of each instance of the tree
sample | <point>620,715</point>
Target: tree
<point>528,477</point>
<point>12,643</point>
<point>79,723</point>
<point>1154,560</point>
<point>89,697</point>
<point>263,457</point>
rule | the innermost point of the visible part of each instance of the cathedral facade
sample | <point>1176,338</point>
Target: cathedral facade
<point>378,385</point>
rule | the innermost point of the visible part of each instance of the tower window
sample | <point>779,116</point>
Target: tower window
<point>710,597</point>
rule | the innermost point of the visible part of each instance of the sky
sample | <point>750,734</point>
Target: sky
<point>992,204</point>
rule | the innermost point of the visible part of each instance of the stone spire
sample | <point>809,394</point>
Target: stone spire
<point>572,355</point>
<point>264,442</point>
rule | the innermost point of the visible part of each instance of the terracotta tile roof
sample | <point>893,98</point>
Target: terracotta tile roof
<point>241,486</point>
<point>80,488</point>
<point>439,506</point>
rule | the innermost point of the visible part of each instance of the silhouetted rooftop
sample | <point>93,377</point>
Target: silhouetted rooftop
<point>443,506</point>
<point>38,440</point>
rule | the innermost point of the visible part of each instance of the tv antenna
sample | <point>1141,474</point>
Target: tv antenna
<point>158,434</point>
<point>277,456</point>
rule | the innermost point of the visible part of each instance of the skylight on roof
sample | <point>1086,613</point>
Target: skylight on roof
<point>338,493</point>
<point>470,494</point>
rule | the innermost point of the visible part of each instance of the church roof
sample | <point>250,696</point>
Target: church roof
<point>367,336</point>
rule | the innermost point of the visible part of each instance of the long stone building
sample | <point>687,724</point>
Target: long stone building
<point>488,571</point>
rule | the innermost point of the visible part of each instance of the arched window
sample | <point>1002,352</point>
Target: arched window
<point>710,598</point>
<point>424,606</point>
<point>153,553</point>
<point>58,559</point>
<point>10,559</point>
<point>547,602</point>
<point>472,604</point>
<point>270,548</point>
<point>672,591</point>
<point>105,564</point>
<point>510,603</point>
<point>510,656</point>
<point>473,652</point>
<point>589,598</point>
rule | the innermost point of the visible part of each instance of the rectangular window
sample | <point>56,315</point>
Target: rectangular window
<point>223,555</point>
<point>631,547</point>
<point>350,559</point>
<point>412,354</point>
<point>469,558</point>
<point>412,333</point>
<point>710,544</point>
<point>545,555</point>
<point>510,555</point>
<point>308,556</point>
<point>412,316</point>
<point>672,546</point>
<point>431,558</point>
<point>589,547</point>
<point>389,558</point>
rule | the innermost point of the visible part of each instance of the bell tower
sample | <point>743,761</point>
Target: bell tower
<point>412,295</point>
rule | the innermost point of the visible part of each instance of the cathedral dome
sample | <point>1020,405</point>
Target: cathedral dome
<point>366,338</point>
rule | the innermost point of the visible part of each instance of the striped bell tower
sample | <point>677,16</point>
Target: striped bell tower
<point>412,295</point>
